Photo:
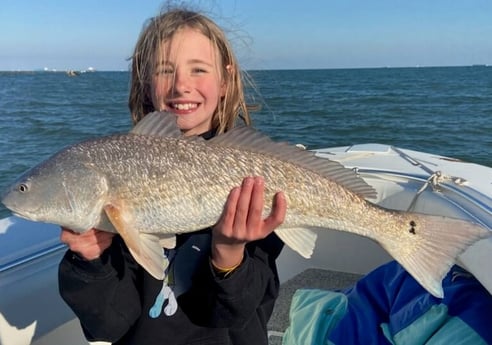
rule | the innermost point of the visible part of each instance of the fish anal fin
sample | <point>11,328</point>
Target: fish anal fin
<point>145,248</point>
<point>301,240</point>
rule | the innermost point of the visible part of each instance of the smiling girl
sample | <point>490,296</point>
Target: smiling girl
<point>222,281</point>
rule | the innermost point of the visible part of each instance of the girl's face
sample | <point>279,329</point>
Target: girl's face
<point>187,80</point>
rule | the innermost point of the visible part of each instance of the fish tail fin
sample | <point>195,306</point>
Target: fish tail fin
<point>434,243</point>
<point>301,240</point>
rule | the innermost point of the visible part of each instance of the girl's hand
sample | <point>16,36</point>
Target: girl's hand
<point>242,221</point>
<point>90,244</point>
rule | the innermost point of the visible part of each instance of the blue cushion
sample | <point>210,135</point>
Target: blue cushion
<point>389,307</point>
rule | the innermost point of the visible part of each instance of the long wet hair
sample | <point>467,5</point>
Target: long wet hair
<point>160,29</point>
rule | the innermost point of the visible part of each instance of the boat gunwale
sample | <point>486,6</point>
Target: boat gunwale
<point>31,257</point>
<point>451,187</point>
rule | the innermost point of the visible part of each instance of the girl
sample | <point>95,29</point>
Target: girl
<point>222,282</point>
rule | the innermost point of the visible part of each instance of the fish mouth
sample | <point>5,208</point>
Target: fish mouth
<point>25,214</point>
<point>19,215</point>
<point>17,212</point>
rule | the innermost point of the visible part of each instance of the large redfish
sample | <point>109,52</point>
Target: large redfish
<point>153,183</point>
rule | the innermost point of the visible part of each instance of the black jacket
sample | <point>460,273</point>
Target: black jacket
<point>112,297</point>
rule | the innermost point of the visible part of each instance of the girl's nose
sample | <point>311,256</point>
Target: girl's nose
<point>182,82</point>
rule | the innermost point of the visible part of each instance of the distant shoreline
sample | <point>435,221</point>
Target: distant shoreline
<point>264,69</point>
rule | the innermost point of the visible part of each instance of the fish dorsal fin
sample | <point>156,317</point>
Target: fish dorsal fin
<point>158,123</point>
<point>248,138</point>
<point>163,124</point>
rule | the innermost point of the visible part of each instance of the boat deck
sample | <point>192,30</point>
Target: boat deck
<point>311,278</point>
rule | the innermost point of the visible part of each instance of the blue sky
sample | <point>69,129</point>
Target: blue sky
<point>267,34</point>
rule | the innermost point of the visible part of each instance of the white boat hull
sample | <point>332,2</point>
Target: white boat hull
<point>424,183</point>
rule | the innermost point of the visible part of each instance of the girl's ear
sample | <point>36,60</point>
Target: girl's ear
<point>230,70</point>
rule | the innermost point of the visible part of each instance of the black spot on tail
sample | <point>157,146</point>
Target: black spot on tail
<point>412,227</point>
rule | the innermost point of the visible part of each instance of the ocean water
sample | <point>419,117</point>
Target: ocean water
<point>444,110</point>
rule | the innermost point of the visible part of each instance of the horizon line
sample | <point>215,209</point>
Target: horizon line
<point>94,70</point>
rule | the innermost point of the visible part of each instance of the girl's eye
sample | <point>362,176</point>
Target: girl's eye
<point>199,70</point>
<point>164,71</point>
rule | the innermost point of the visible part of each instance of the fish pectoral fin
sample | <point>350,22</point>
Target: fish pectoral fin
<point>301,240</point>
<point>145,248</point>
<point>167,241</point>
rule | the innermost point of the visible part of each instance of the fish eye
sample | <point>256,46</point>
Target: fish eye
<point>22,188</point>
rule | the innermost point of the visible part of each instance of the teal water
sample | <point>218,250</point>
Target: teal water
<point>444,110</point>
